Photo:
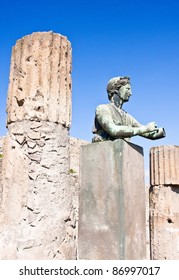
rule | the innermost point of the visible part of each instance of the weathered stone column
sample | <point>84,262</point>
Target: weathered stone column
<point>1,158</point>
<point>164,202</point>
<point>112,202</point>
<point>37,219</point>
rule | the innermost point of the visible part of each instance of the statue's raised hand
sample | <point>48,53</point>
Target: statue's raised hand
<point>150,127</point>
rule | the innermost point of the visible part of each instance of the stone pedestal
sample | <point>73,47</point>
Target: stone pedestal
<point>164,202</point>
<point>112,202</point>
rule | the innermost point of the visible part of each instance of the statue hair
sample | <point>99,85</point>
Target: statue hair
<point>115,84</point>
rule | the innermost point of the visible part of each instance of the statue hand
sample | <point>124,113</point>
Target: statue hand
<point>150,127</point>
<point>160,133</point>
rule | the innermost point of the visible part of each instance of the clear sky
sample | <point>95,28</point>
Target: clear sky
<point>137,38</point>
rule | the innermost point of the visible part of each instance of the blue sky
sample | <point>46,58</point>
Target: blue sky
<point>109,38</point>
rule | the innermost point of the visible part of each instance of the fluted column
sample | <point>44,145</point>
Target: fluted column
<point>164,165</point>
<point>164,202</point>
<point>40,79</point>
<point>37,218</point>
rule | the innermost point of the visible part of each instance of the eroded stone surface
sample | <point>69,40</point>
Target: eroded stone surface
<point>32,210</point>
<point>37,200</point>
<point>164,222</point>
<point>37,217</point>
<point>164,165</point>
<point>40,79</point>
<point>2,139</point>
<point>164,202</point>
<point>75,149</point>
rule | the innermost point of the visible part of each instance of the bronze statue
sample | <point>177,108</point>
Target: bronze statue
<point>112,122</point>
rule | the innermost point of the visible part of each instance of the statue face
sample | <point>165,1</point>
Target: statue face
<point>125,92</point>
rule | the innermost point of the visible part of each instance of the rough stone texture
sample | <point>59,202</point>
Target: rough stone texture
<point>164,163</point>
<point>37,213</point>
<point>1,144</point>
<point>2,139</point>
<point>75,147</point>
<point>147,222</point>
<point>164,203</point>
<point>39,176</point>
<point>112,202</point>
<point>37,216</point>
<point>40,80</point>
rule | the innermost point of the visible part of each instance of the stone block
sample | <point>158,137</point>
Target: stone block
<point>112,202</point>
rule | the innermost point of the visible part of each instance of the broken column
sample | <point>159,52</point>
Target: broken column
<point>1,158</point>
<point>164,202</point>
<point>37,219</point>
<point>112,202</point>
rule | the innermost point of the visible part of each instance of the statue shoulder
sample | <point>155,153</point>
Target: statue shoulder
<point>103,108</point>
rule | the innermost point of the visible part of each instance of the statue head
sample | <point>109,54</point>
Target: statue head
<point>115,84</point>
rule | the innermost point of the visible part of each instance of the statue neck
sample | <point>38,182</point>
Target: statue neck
<point>117,101</point>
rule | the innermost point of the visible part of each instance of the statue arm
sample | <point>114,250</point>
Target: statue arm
<point>105,120</point>
<point>158,133</point>
<point>120,131</point>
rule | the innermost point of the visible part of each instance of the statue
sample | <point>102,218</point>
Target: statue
<point>112,122</point>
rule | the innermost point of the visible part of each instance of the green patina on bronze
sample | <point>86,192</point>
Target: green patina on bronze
<point>112,122</point>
